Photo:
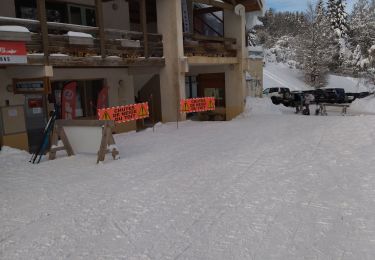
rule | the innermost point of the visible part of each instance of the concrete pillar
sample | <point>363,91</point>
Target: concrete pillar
<point>235,84</point>
<point>172,78</point>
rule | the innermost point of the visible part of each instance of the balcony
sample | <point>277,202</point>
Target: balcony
<point>209,46</point>
<point>78,45</point>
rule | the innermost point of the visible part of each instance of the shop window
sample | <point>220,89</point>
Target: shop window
<point>86,97</point>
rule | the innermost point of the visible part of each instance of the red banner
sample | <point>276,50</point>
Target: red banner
<point>197,104</point>
<point>102,98</point>
<point>68,101</point>
<point>124,113</point>
<point>13,52</point>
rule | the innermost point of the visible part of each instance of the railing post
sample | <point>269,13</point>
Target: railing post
<point>100,25</point>
<point>42,16</point>
<point>143,19</point>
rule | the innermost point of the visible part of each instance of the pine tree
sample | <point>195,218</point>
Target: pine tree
<point>314,51</point>
<point>360,23</point>
<point>339,31</point>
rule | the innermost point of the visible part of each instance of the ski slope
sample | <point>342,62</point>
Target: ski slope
<point>280,75</point>
<point>267,185</point>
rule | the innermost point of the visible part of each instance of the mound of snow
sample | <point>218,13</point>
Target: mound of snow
<point>260,106</point>
<point>364,105</point>
<point>79,34</point>
<point>13,28</point>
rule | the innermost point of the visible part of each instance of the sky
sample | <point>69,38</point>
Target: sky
<point>296,5</point>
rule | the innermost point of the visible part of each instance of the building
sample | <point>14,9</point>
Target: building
<point>137,50</point>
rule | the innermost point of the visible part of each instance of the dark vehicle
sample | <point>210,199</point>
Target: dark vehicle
<point>350,97</point>
<point>330,95</point>
<point>277,95</point>
<point>335,95</point>
<point>364,94</point>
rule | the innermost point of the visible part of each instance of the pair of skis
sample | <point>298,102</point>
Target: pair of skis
<point>37,156</point>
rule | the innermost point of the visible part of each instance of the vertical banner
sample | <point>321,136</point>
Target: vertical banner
<point>103,98</point>
<point>68,100</point>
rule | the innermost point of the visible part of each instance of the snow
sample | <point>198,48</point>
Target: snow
<point>272,186</point>
<point>79,34</point>
<point>364,106</point>
<point>260,106</point>
<point>59,55</point>
<point>281,75</point>
<point>13,28</point>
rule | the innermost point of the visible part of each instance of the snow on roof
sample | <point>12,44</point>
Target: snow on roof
<point>13,28</point>
<point>79,34</point>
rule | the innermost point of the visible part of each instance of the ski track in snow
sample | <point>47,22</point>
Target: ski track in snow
<point>264,187</point>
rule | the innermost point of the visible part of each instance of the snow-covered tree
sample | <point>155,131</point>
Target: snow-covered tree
<point>339,30</point>
<point>362,38</point>
<point>338,17</point>
<point>314,50</point>
<point>362,26</point>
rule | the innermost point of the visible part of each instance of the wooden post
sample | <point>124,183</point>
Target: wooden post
<point>42,16</point>
<point>143,19</point>
<point>100,25</point>
<point>152,112</point>
<point>178,112</point>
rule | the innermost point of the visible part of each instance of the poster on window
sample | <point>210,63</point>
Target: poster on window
<point>68,100</point>
<point>102,98</point>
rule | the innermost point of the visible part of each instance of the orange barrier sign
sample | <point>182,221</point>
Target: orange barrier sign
<point>124,113</point>
<point>197,104</point>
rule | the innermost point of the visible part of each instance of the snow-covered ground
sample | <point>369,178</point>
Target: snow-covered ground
<point>267,185</point>
<point>280,75</point>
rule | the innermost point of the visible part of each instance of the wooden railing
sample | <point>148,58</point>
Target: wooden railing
<point>121,43</point>
<point>209,46</point>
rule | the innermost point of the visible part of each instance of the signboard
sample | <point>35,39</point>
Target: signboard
<point>30,86</point>
<point>124,113</point>
<point>13,52</point>
<point>197,104</point>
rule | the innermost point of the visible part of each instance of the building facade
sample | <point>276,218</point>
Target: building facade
<point>156,51</point>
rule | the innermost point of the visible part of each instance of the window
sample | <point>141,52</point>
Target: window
<point>218,94</point>
<point>86,96</point>
<point>27,9</point>
<point>273,90</point>
<point>81,15</point>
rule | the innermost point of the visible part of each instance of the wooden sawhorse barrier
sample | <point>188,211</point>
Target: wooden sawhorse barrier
<point>107,139</point>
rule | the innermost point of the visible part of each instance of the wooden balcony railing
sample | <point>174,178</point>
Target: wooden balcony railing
<point>119,43</point>
<point>209,46</point>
